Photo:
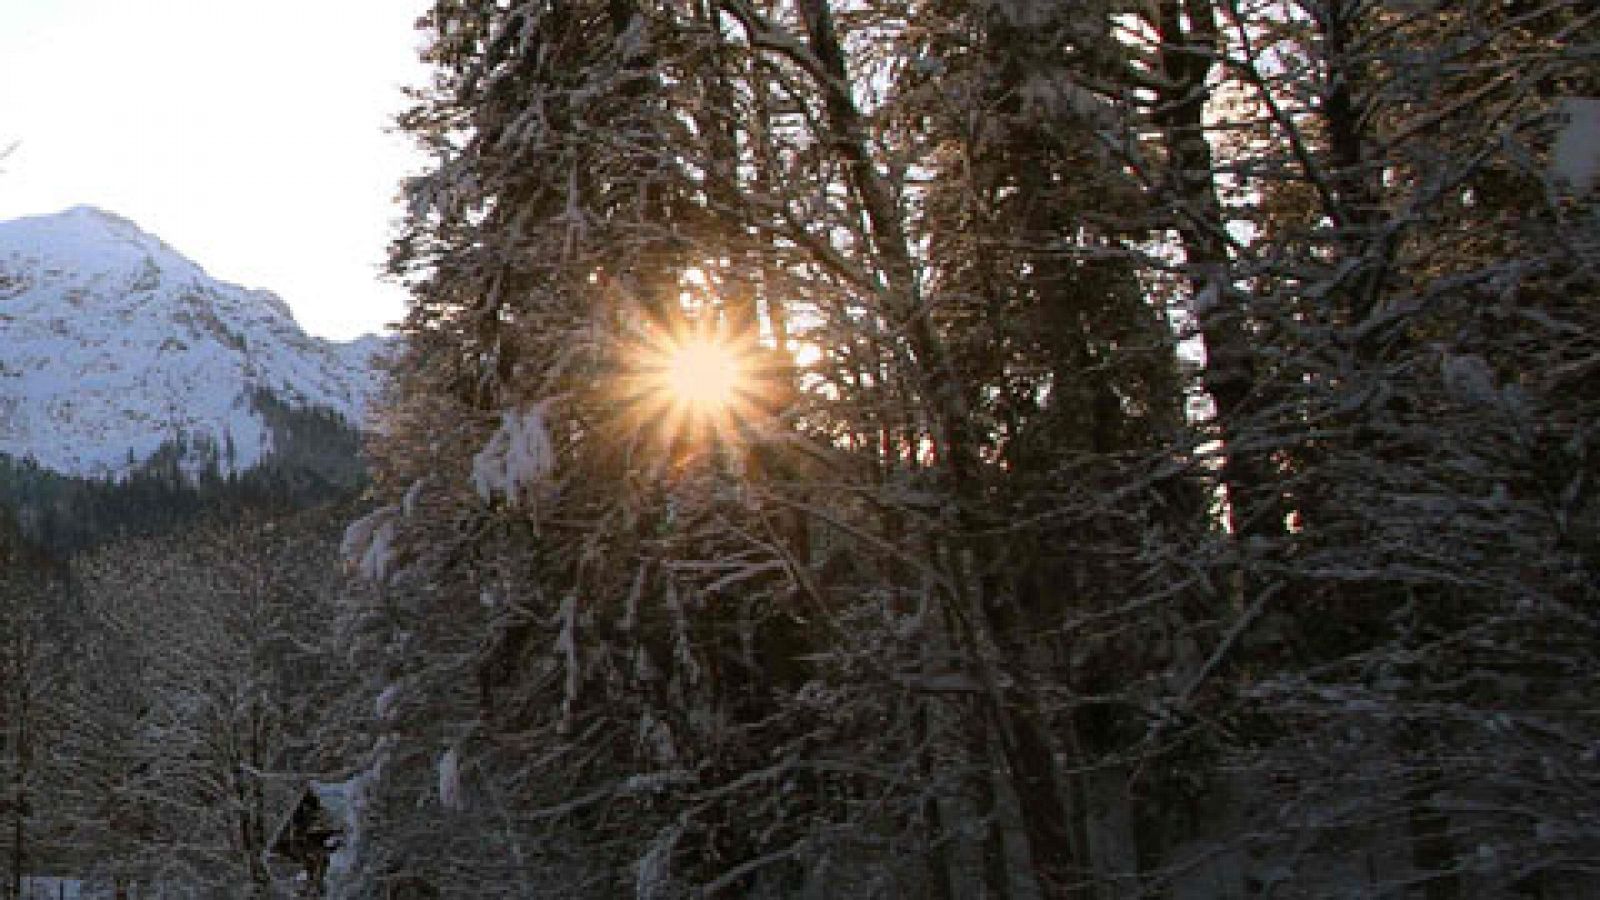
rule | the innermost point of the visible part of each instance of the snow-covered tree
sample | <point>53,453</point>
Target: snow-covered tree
<point>962,450</point>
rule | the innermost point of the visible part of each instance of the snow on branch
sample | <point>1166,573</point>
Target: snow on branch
<point>567,647</point>
<point>1575,159</point>
<point>518,456</point>
<point>450,780</point>
<point>654,874</point>
<point>368,544</point>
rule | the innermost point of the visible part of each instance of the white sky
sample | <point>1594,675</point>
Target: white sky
<point>249,135</point>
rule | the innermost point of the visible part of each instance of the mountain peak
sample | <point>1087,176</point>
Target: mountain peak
<point>111,224</point>
<point>115,345</point>
<point>89,237</point>
<point>95,213</point>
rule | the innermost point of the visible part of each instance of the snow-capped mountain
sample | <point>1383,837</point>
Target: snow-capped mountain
<point>113,344</point>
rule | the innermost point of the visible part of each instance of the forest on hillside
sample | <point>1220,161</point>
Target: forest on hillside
<point>1132,450</point>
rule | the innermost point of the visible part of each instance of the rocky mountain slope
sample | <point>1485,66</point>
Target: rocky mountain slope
<point>114,347</point>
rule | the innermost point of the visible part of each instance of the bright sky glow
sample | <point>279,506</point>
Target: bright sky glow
<point>250,136</point>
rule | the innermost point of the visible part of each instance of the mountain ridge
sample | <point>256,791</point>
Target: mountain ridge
<point>113,345</point>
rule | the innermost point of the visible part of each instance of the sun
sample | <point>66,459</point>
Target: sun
<point>695,386</point>
<point>703,375</point>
